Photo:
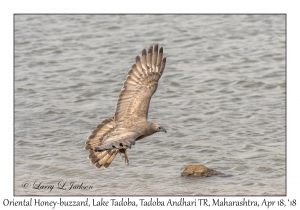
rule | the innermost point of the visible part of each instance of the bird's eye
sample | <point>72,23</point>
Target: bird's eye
<point>159,127</point>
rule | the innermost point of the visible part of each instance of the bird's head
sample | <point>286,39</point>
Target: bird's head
<point>159,128</point>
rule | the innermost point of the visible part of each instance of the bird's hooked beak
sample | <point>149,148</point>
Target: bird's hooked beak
<point>160,128</point>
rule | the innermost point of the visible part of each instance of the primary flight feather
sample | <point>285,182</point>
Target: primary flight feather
<point>129,122</point>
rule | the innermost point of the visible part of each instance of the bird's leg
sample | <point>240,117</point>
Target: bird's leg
<point>126,158</point>
<point>123,151</point>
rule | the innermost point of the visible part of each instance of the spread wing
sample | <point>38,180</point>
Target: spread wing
<point>140,84</point>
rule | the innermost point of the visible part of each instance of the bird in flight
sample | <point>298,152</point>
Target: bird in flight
<point>129,122</point>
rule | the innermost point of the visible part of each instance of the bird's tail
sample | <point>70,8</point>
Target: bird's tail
<point>103,158</point>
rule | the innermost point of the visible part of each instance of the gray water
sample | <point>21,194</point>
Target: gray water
<point>221,99</point>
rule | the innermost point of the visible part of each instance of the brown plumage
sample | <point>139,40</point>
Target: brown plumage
<point>129,123</point>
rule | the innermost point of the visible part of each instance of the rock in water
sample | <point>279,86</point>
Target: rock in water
<point>198,170</point>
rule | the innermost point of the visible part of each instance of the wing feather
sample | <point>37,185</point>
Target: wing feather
<point>140,84</point>
<point>162,67</point>
<point>144,60</point>
<point>159,59</point>
<point>138,66</point>
<point>154,58</point>
<point>149,59</point>
<point>136,73</point>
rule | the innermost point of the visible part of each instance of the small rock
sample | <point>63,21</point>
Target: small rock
<point>198,170</point>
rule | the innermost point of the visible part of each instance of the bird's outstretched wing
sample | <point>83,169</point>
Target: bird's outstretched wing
<point>140,84</point>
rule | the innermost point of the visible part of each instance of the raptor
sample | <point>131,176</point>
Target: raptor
<point>130,121</point>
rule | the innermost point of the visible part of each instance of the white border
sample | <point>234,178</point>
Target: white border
<point>8,8</point>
